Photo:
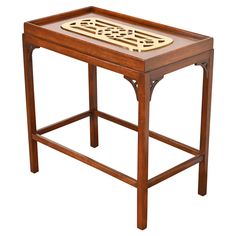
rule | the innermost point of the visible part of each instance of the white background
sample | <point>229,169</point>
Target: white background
<point>69,198</point>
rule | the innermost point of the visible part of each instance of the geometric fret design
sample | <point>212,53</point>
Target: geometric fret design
<point>121,35</point>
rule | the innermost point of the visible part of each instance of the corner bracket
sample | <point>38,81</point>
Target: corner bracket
<point>204,65</point>
<point>153,84</point>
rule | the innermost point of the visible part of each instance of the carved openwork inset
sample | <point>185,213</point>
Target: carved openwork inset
<point>122,35</point>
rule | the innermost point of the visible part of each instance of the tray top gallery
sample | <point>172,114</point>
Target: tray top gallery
<point>113,37</point>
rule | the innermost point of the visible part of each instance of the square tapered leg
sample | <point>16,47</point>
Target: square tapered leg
<point>92,70</point>
<point>30,104</point>
<point>205,123</point>
<point>143,135</point>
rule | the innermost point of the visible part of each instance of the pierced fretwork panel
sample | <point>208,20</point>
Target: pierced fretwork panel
<point>118,34</point>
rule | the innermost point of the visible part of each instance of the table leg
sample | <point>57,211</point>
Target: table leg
<point>92,70</point>
<point>30,104</point>
<point>205,124</point>
<point>143,135</point>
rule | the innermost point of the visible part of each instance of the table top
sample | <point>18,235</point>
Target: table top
<point>182,44</point>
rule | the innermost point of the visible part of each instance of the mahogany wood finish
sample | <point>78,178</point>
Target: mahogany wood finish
<point>205,123</point>
<point>143,130</point>
<point>62,123</point>
<point>144,70</point>
<point>175,170</point>
<point>30,104</point>
<point>93,105</point>
<point>127,179</point>
<point>152,134</point>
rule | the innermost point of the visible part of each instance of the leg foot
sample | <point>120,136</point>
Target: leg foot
<point>202,179</point>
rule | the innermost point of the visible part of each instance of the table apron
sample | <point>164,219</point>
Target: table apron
<point>81,56</point>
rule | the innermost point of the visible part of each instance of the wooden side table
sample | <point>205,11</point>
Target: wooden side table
<point>143,52</point>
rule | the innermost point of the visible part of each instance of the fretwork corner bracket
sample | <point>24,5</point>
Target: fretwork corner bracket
<point>152,85</point>
<point>204,65</point>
